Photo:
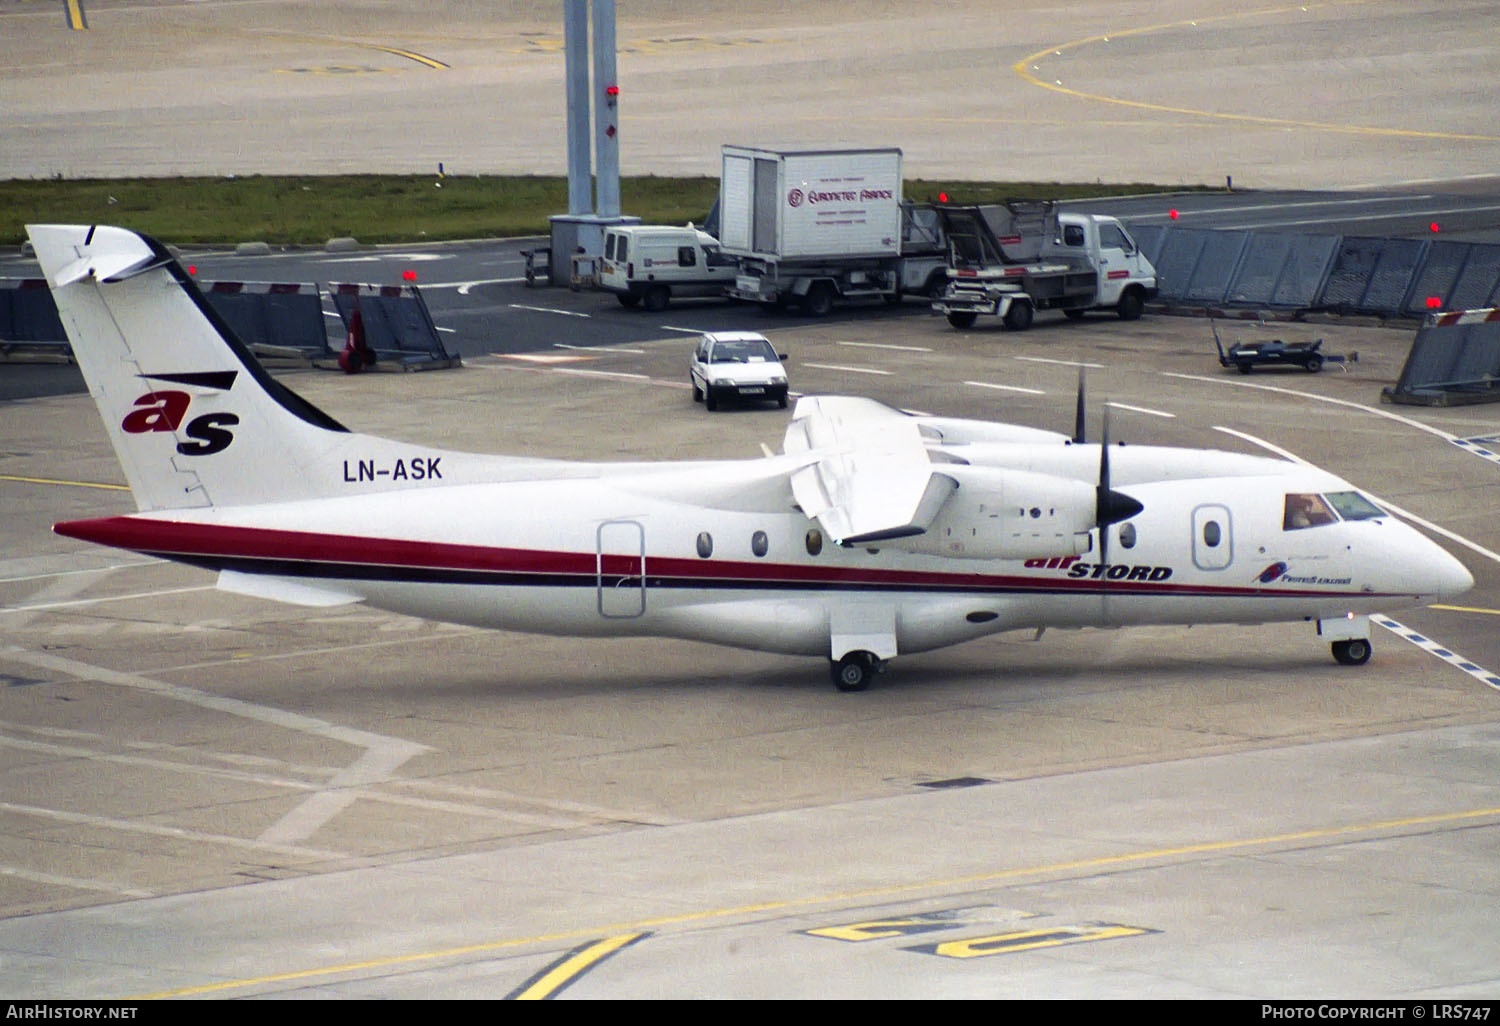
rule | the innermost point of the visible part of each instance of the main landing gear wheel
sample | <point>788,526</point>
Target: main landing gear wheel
<point>855,671</point>
<point>1354,652</point>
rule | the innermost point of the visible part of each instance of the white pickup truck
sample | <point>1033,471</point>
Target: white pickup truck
<point>1010,261</point>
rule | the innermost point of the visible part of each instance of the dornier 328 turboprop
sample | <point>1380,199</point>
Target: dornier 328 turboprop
<point>873,533</point>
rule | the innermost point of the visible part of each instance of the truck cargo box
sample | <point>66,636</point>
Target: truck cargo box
<point>810,204</point>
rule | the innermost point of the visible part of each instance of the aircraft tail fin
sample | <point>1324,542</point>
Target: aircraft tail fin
<point>194,418</point>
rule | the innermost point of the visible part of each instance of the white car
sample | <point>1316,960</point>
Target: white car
<point>738,365</point>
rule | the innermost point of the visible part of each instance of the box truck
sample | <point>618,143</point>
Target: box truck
<point>811,227</point>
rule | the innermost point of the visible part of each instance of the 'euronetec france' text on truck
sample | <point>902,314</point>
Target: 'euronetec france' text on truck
<point>809,227</point>
<point>1010,260</point>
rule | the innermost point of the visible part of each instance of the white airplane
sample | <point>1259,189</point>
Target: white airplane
<point>873,533</point>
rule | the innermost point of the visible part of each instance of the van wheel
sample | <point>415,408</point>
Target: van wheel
<point>1131,305</point>
<point>627,300</point>
<point>657,298</point>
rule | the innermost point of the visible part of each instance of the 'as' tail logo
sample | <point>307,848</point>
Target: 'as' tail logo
<point>166,410</point>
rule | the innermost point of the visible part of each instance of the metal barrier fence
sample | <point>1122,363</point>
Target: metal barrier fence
<point>1455,359</point>
<point>273,319</point>
<point>1204,267</point>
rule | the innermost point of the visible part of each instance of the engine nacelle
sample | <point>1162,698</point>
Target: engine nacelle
<point>1009,514</point>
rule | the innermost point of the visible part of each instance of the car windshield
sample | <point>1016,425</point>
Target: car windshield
<point>747,351</point>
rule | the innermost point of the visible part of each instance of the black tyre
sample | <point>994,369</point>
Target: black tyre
<point>1132,304</point>
<point>627,300</point>
<point>1244,368</point>
<point>1074,313</point>
<point>657,298</point>
<point>819,301</point>
<point>962,320</point>
<point>1019,316</point>
<point>1313,364</point>
<point>1354,652</point>
<point>854,672</point>
<point>937,284</point>
<point>697,392</point>
<point>710,400</point>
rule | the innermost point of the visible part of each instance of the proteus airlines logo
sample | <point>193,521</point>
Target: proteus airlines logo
<point>167,409</point>
<point>794,198</point>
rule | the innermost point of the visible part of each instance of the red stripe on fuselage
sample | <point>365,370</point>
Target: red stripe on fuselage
<point>206,542</point>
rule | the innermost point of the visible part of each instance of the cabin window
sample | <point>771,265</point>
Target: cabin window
<point>814,542</point>
<point>1353,506</point>
<point>1212,534</point>
<point>622,247</point>
<point>1111,237</point>
<point>1304,509</point>
<point>1073,235</point>
<point>759,543</point>
<point>687,256</point>
<point>1127,535</point>
<point>705,545</point>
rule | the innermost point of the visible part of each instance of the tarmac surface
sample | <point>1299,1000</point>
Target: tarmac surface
<point>1336,93</point>
<point>206,795</point>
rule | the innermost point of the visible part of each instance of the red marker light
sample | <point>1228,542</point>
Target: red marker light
<point>942,197</point>
<point>1433,227</point>
<point>612,90</point>
<point>408,275</point>
<point>1172,214</point>
<point>193,270</point>
<point>1433,302</point>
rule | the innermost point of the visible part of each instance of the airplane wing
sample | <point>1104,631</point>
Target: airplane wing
<point>869,476</point>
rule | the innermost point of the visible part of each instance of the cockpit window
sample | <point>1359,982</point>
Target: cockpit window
<point>1306,510</point>
<point>1354,506</point>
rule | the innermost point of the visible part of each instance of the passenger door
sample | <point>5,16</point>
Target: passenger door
<point>620,569</point>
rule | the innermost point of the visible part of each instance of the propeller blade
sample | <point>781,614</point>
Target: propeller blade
<point>1110,506</point>
<point>1078,411</point>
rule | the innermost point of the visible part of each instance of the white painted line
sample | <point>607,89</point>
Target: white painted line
<point>882,345</point>
<point>1005,388</point>
<point>538,358</point>
<point>601,374</point>
<point>1403,201</point>
<point>1475,447</point>
<point>1278,450</point>
<point>1142,409</point>
<point>685,331</point>
<point>464,286</point>
<point>548,309</point>
<point>106,598</point>
<point>1479,673</point>
<point>850,370</point>
<point>1445,436</point>
<point>1362,217</point>
<point>599,349</point>
<point>1065,363</point>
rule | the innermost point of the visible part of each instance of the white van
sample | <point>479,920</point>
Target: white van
<point>654,264</point>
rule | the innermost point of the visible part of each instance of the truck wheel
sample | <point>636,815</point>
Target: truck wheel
<point>937,284</point>
<point>962,320</point>
<point>819,301</point>
<point>1018,317</point>
<point>627,300</point>
<point>1074,313</point>
<point>1131,305</point>
<point>657,298</point>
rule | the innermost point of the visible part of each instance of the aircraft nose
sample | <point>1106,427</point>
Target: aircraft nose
<point>1451,577</point>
